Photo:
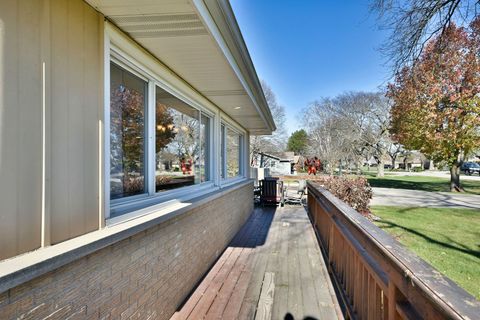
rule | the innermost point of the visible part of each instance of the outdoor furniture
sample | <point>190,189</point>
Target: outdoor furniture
<point>298,196</point>
<point>257,192</point>
<point>271,192</point>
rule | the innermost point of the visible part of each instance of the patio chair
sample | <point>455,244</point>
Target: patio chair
<point>271,192</point>
<point>298,196</point>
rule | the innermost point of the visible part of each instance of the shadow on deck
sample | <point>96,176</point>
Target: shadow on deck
<point>272,269</point>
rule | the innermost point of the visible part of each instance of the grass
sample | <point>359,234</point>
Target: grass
<point>448,239</point>
<point>422,183</point>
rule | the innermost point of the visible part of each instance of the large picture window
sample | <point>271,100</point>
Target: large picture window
<point>127,133</point>
<point>157,144</point>
<point>160,141</point>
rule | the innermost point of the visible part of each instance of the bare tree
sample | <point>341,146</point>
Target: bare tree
<point>412,23</point>
<point>328,138</point>
<point>394,150</point>
<point>349,127</point>
<point>367,116</point>
<point>277,141</point>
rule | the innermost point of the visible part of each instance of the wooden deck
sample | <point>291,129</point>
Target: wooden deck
<point>273,269</point>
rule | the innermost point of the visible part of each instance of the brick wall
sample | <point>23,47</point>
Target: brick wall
<point>145,276</point>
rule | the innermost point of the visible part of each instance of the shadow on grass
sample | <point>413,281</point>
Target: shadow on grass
<point>458,247</point>
<point>433,185</point>
<point>411,185</point>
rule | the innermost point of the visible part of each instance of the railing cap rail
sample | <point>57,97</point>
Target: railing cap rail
<point>441,290</point>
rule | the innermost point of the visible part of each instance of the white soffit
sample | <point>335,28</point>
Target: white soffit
<point>172,31</point>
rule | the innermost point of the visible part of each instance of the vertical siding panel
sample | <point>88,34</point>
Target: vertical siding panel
<point>75,95</point>
<point>60,166</point>
<point>45,45</point>
<point>8,128</point>
<point>93,82</point>
<point>76,108</point>
<point>30,126</point>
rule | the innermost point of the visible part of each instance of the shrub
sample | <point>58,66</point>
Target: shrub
<point>133,185</point>
<point>356,192</point>
<point>159,180</point>
<point>417,169</point>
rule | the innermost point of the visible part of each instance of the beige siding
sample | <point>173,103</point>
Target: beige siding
<point>67,37</point>
<point>20,126</point>
<point>76,95</point>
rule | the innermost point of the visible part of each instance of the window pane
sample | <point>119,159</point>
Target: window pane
<point>205,148</point>
<point>222,152</point>
<point>127,133</point>
<point>178,144</point>
<point>233,154</point>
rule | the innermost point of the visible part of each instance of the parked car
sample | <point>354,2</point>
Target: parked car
<point>470,168</point>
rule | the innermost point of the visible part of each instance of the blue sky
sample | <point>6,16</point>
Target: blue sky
<point>310,49</point>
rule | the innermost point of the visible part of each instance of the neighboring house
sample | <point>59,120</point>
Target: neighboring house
<point>279,164</point>
<point>124,129</point>
<point>373,161</point>
<point>473,158</point>
<point>413,159</point>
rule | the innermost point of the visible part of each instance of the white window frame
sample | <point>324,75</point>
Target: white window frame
<point>119,207</point>
<point>242,146</point>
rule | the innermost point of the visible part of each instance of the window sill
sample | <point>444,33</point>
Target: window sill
<point>25,267</point>
<point>133,208</point>
<point>231,181</point>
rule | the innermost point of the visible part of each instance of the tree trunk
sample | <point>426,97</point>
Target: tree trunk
<point>380,168</point>
<point>455,178</point>
<point>393,162</point>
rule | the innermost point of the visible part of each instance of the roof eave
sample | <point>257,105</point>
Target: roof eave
<point>220,20</point>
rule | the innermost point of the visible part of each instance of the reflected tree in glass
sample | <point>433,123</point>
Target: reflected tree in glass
<point>127,132</point>
<point>178,147</point>
<point>233,154</point>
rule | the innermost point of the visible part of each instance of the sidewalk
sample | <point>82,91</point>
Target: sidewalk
<point>427,173</point>
<point>417,198</point>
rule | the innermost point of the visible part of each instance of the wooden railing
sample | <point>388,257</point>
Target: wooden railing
<point>377,278</point>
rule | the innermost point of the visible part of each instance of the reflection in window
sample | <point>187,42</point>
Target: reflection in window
<point>127,133</point>
<point>181,143</point>
<point>205,144</point>
<point>233,153</point>
<point>222,152</point>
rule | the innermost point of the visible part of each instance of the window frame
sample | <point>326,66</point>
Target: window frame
<point>223,146</point>
<point>118,207</point>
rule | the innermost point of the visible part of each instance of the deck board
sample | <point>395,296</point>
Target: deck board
<point>275,243</point>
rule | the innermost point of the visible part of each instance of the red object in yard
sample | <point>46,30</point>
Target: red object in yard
<point>186,167</point>
<point>313,165</point>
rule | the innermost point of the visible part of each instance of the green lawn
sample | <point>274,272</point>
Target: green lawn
<point>422,183</point>
<point>448,239</point>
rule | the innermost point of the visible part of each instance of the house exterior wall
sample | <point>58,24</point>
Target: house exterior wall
<point>45,46</point>
<point>50,106</point>
<point>52,188</point>
<point>75,88</point>
<point>146,276</point>
<point>20,127</point>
